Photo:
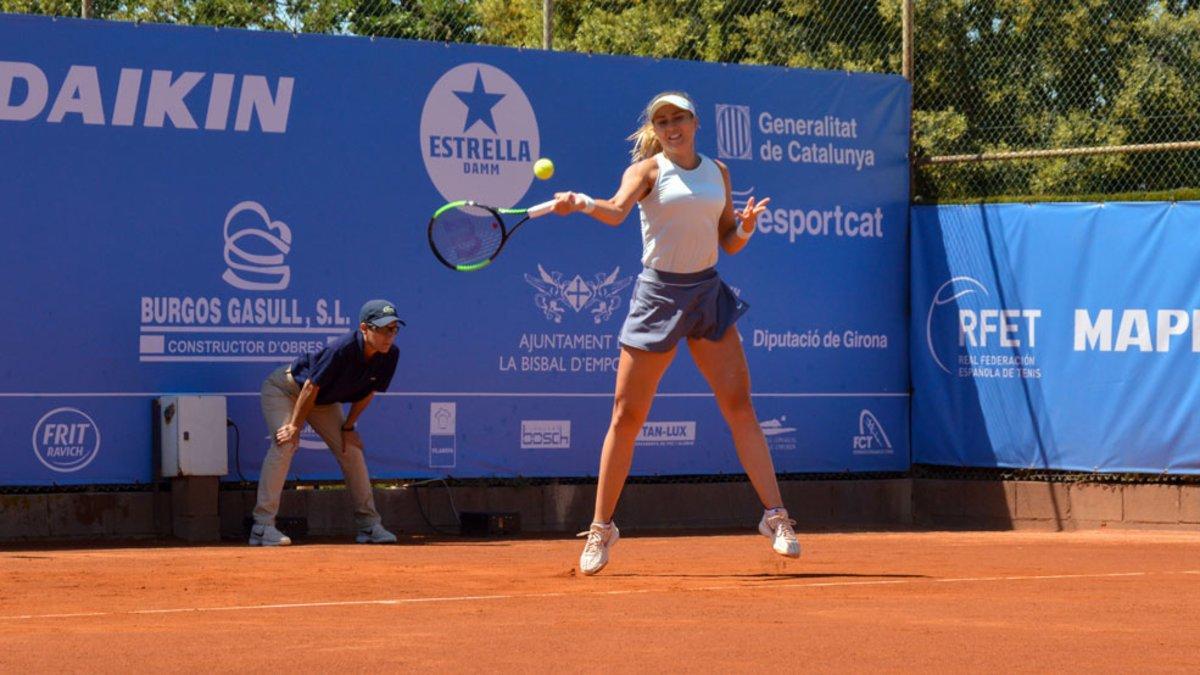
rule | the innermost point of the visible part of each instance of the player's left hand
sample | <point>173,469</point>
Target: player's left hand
<point>748,216</point>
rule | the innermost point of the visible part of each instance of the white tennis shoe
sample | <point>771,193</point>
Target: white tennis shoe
<point>267,535</point>
<point>779,528</point>
<point>600,538</point>
<point>375,534</point>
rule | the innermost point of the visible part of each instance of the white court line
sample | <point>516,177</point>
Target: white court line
<point>214,359</point>
<point>1050,576</point>
<point>335,603</point>
<point>457,394</point>
<point>120,394</point>
<point>57,616</point>
<point>522,596</point>
<point>243,329</point>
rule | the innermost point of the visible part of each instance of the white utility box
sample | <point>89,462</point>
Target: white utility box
<point>191,433</point>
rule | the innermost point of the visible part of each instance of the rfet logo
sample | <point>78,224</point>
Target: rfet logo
<point>66,440</point>
<point>479,136</point>
<point>255,247</point>
<point>968,331</point>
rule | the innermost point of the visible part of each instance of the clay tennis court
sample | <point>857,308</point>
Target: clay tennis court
<point>908,601</point>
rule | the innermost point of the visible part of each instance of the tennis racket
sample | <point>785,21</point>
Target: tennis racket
<point>467,236</point>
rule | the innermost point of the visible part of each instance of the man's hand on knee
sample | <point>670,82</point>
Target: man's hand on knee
<point>287,436</point>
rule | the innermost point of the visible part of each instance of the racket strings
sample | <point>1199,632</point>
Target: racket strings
<point>467,235</point>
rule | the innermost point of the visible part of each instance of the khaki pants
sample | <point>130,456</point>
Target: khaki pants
<point>279,394</point>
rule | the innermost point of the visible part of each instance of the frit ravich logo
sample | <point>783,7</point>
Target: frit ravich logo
<point>255,248</point>
<point>733,132</point>
<point>871,438</point>
<point>556,294</point>
<point>479,136</point>
<point>66,440</point>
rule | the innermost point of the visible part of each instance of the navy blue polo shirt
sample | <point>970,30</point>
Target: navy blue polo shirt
<point>342,370</point>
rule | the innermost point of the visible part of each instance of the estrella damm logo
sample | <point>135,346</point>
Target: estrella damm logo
<point>66,440</point>
<point>479,136</point>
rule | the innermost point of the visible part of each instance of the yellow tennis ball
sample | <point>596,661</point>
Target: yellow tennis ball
<point>543,168</point>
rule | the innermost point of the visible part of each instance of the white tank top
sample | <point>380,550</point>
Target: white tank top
<point>679,217</point>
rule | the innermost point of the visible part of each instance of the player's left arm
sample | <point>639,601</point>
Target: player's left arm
<point>735,227</point>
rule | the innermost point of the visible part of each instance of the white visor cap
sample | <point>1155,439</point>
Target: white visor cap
<point>671,99</point>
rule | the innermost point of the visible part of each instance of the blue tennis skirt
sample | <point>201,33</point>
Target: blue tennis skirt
<point>669,306</point>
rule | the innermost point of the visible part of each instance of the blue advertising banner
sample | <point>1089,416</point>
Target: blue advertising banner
<point>186,209</point>
<point>1057,336</point>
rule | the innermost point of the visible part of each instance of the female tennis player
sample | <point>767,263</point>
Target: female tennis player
<point>686,212</point>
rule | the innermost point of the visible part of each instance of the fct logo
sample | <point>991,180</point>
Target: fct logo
<point>262,268</point>
<point>733,132</point>
<point>556,294</point>
<point>66,440</point>
<point>479,136</point>
<point>545,434</point>
<point>871,438</point>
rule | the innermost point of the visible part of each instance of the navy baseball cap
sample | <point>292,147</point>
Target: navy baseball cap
<point>379,313</point>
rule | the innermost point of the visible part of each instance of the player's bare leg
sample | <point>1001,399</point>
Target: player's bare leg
<point>723,364</point>
<point>638,374</point>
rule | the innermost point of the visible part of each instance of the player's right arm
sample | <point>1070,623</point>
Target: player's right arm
<point>290,432</point>
<point>636,183</point>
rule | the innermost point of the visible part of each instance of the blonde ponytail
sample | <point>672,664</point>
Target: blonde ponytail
<point>645,143</point>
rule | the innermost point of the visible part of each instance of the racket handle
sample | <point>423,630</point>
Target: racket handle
<point>539,210</point>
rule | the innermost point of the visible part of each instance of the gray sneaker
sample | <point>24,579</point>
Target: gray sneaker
<point>375,534</point>
<point>267,535</point>
<point>779,529</point>
<point>600,538</point>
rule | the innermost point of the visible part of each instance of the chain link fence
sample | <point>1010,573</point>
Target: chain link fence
<point>1108,84</point>
<point>846,34</point>
<point>1113,79</point>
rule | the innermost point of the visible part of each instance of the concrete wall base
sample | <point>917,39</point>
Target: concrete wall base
<point>198,511</point>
